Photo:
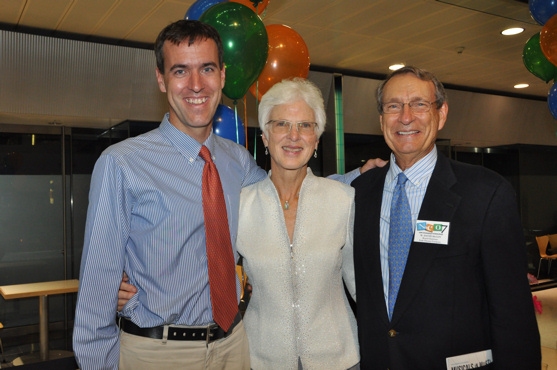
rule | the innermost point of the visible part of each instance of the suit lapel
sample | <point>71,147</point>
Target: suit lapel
<point>368,202</point>
<point>439,204</point>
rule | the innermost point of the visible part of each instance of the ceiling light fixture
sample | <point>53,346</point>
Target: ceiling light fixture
<point>394,67</point>
<point>521,86</point>
<point>512,31</point>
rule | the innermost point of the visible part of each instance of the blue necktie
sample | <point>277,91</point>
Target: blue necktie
<point>400,237</point>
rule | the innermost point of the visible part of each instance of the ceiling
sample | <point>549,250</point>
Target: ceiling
<point>458,40</point>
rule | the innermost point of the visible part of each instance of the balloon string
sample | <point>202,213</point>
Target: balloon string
<point>246,121</point>
<point>256,109</point>
<point>236,121</point>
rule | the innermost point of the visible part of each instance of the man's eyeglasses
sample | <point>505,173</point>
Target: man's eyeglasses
<point>419,106</point>
<point>280,127</point>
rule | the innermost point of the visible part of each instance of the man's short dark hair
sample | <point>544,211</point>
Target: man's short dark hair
<point>190,30</point>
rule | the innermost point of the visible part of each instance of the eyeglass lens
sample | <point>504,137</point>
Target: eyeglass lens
<point>415,106</point>
<point>283,126</point>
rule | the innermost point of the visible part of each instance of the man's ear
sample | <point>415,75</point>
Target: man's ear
<point>222,76</point>
<point>443,112</point>
<point>160,80</point>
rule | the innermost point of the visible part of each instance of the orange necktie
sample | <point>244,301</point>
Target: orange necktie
<point>222,273</point>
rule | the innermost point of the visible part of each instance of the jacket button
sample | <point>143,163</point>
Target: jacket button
<point>392,333</point>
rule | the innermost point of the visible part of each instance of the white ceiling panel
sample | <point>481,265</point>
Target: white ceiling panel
<point>358,35</point>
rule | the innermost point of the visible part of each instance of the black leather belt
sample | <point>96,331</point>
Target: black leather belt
<point>209,333</point>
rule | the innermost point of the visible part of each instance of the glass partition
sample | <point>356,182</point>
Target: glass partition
<point>31,217</point>
<point>44,185</point>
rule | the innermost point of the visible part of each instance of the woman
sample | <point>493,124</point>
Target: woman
<point>295,236</point>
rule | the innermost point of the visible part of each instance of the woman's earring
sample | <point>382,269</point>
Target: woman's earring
<point>315,154</point>
<point>266,151</point>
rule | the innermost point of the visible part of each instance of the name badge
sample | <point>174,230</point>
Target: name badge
<point>433,232</point>
<point>470,360</point>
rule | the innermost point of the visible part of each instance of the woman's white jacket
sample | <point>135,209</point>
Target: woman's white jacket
<point>298,308</point>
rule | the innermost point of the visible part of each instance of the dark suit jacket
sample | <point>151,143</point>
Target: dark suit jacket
<point>468,296</point>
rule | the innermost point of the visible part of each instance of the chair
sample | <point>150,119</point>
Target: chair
<point>543,241</point>
<point>552,241</point>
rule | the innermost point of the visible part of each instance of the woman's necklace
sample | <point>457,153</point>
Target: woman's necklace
<point>286,205</point>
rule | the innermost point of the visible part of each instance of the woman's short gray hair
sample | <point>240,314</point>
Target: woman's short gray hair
<point>289,91</point>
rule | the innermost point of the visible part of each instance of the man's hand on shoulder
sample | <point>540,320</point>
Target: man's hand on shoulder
<point>372,163</point>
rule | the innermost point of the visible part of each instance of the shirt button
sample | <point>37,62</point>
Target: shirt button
<point>392,333</point>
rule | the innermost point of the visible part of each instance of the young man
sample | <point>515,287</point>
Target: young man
<point>146,217</point>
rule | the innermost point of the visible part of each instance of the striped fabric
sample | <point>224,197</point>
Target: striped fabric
<point>418,178</point>
<point>145,217</point>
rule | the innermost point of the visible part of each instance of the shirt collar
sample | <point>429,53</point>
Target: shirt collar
<point>185,144</point>
<point>416,174</point>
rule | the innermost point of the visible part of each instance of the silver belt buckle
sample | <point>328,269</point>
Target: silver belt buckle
<point>209,333</point>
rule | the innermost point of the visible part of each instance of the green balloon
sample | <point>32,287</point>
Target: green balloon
<point>536,62</point>
<point>245,43</point>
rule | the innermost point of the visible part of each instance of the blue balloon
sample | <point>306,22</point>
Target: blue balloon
<point>199,7</point>
<point>542,10</point>
<point>228,125</point>
<point>552,100</point>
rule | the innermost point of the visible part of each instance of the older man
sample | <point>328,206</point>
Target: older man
<point>439,253</point>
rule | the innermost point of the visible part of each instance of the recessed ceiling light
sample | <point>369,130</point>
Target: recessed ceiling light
<point>521,86</point>
<point>394,67</point>
<point>512,31</point>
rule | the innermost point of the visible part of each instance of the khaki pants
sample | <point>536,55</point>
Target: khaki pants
<point>230,353</point>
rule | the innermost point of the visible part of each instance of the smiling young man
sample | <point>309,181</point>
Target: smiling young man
<point>458,296</point>
<point>146,218</point>
<point>192,76</point>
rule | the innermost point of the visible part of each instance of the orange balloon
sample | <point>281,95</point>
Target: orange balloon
<point>288,57</point>
<point>258,6</point>
<point>548,40</point>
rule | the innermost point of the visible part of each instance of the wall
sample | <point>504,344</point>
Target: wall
<point>79,83</point>
<point>75,83</point>
<point>474,119</point>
